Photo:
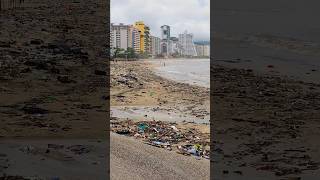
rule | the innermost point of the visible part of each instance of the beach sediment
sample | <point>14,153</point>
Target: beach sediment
<point>264,126</point>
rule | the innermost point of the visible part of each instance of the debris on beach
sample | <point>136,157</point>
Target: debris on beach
<point>166,135</point>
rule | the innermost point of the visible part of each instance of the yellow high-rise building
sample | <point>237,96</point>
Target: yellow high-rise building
<point>141,27</point>
<point>144,36</point>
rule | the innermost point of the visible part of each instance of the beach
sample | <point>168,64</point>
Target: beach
<point>53,89</point>
<point>140,95</point>
<point>265,78</point>
<point>266,94</point>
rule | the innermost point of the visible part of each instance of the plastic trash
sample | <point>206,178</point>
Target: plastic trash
<point>193,151</point>
<point>174,128</point>
<point>197,147</point>
<point>142,126</point>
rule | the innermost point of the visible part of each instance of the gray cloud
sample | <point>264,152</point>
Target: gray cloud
<point>181,15</point>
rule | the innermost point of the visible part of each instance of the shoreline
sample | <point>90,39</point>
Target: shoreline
<point>166,101</point>
<point>185,71</point>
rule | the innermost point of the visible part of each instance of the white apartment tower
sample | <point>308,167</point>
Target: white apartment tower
<point>155,45</point>
<point>119,36</point>
<point>187,45</point>
<point>134,38</point>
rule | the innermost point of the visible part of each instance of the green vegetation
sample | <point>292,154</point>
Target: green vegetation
<point>121,53</point>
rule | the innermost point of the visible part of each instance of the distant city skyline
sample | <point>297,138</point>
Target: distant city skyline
<point>180,15</point>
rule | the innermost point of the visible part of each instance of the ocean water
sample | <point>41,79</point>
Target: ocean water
<point>191,71</point>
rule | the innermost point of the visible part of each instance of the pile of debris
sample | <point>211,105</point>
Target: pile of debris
<point>166,135</point>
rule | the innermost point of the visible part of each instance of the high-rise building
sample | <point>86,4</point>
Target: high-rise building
<point>203,50</point>
<point>155,46</point>
<point>144,36</point>
<point>147,40</point>
<point>165,32</point>
<point>134,38</point>
<point>174,46</point>
<point>119,36</point>
<point>165,40</point>
<point>186,41</point>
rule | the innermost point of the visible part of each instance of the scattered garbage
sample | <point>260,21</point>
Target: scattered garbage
<point>166,135</point>
<point>174,128</point>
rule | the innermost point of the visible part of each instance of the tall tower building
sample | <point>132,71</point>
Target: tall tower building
<point>119,36</point>
<point>165,40</point>
<point>134,38</point>
<point>145,41</point>
<point>165,32</point>
<point>186,41</point>
<point>155,46</point>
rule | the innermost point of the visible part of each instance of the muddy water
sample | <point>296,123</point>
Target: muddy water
<point>191,71</point>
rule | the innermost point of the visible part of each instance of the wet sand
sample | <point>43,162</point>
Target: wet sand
<point>265,76</point>
<point>54,158</point>
<point>131,159</point>
<point>265,126</point>
<point>53,89</point>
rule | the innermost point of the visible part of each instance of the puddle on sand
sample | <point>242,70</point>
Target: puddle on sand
<point>151,113</point>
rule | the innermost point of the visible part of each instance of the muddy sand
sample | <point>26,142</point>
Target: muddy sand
<point>134,160</point>
<point>265,127</point>
<point>53,88</point>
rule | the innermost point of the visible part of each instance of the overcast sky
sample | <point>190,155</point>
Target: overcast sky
<point>181,15</point>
